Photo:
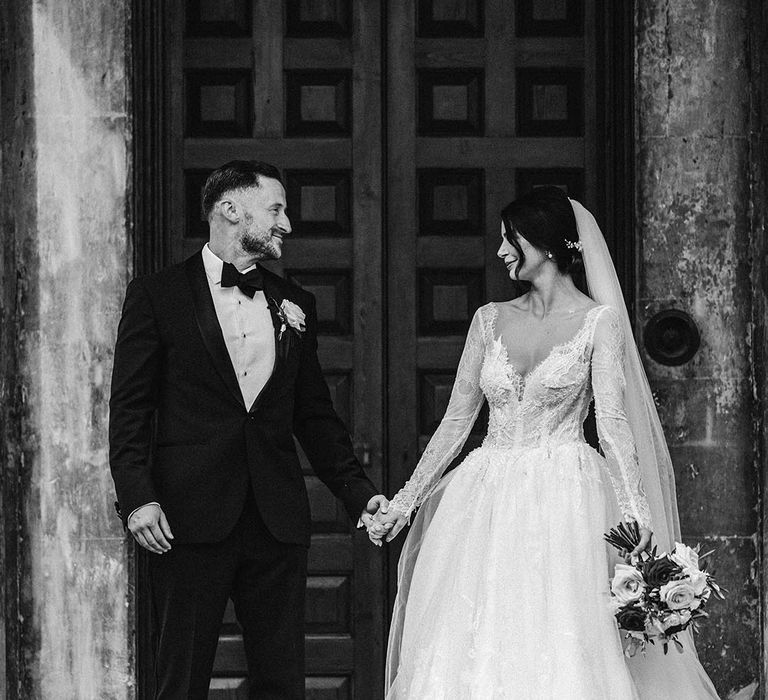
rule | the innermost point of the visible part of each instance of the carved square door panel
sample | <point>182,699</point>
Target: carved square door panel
<point>486,99</point>
<point>401,129</point>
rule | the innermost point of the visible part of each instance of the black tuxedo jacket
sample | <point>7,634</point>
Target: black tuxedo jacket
<point>181,435</point>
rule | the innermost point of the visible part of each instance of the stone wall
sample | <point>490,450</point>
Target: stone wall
<point>694,226</point>
<point>71,255</point>
<point>759,185</point>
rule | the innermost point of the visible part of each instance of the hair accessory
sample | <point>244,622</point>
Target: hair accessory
<point>574,246</point>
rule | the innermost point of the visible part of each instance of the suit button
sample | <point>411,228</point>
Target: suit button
<point>252,417</point>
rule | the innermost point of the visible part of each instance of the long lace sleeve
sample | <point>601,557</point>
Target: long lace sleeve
<point>613,429</point>
<point>463,408</point>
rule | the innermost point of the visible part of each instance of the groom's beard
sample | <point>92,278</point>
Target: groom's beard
<point>262,244</point>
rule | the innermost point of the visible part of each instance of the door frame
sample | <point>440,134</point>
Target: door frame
<point>616,121</point>
<point>148,215</point>
<point>149,209</point>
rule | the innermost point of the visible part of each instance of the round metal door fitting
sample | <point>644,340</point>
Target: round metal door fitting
<point>671,337</point>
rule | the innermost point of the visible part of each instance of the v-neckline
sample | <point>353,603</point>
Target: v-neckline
<point>555,348</point>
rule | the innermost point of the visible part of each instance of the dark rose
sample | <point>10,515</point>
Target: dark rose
<point>658,572</point>
<point>631,618</point>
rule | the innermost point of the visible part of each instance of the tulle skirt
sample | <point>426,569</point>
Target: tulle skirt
<point>503,589</point>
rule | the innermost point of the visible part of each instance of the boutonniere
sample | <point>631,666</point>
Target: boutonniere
<point>291,316</point>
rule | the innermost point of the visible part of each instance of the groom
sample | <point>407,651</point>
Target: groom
<point>215,370</point>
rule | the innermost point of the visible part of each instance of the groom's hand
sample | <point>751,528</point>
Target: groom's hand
<point>377,504</point>
<point>384,523</point>
<point>379,501</point>
<point>150,528</point>
<point>392,521</point>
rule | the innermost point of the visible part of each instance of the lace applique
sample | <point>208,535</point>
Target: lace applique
<point>616,438</point>
<point>543,409</point>
<point>463,408</point>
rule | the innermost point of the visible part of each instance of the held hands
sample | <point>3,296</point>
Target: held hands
<point>374,506</point>
<point>383,523</point>
<point>150,528</point>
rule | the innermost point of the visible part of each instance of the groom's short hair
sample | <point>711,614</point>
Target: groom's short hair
<point>235,175</point>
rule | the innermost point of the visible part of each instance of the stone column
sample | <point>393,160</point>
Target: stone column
<point>694,229</point>
<point>759,185</point>
<point>66,228</point>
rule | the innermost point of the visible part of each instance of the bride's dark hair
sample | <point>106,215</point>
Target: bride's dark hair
<point>544,217</point>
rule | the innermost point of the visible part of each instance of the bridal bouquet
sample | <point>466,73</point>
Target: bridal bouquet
<point>661,595</point>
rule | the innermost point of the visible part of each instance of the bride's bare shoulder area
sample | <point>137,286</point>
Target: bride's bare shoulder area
<point>521,304</point>
<point>517,304</point>
<point>582,302</point>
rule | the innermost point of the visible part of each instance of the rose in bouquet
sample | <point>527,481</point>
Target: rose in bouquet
<point>659,595</point>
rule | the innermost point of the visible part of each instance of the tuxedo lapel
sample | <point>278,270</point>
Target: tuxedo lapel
<point>208,323</point>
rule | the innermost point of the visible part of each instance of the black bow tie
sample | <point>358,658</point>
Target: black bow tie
<point>248,282</point>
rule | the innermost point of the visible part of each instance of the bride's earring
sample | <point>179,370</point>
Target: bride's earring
<point>549,255</point>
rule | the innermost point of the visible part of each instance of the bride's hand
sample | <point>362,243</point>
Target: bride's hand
<point>393,521</point>
<point>385,522</point>
<point>374,525</point>
<point>642,546</point>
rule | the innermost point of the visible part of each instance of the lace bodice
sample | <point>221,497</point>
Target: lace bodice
<point>543,409</point>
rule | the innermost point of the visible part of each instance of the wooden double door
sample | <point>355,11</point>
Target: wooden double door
<point>401,128</point>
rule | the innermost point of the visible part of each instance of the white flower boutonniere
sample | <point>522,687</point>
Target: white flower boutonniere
<point>292,315</point>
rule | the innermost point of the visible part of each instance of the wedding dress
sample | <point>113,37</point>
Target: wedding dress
<point>503,584</point>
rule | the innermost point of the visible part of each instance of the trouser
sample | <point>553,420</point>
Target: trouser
<point>190,586</point>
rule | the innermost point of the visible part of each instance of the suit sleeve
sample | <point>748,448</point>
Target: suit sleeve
<point>321,432</point>
<point>133,401</point>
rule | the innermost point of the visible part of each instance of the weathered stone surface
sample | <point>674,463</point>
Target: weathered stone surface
<point>716,489</point>
<point>693,204</point>
<point>711,428</point>
<point>75,263</point>
<point>759,180</point>
<point>724,642</point>
<point>85,41</point>
<point>692,67</point>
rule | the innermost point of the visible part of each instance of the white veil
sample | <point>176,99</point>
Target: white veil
<point>656,675</point>
<point>655,463</point>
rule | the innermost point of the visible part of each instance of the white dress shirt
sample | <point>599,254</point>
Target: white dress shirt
<point>249,335</point>
<point>247,328</point>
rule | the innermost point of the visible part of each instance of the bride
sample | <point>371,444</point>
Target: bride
<point>503,583</point>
